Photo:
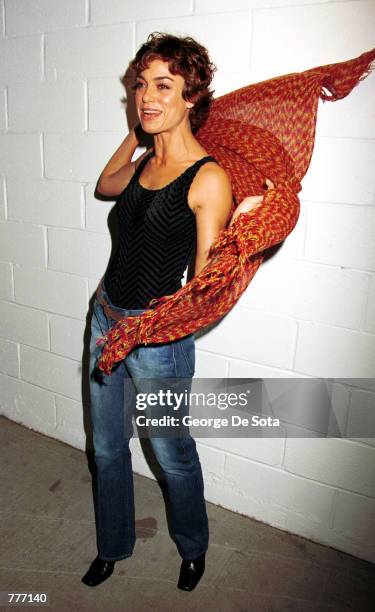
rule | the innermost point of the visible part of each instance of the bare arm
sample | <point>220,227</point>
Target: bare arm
<point>212,201</point>
<point>118,171</point>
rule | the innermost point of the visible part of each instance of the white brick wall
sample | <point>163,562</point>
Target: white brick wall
<point>78,252</point>
<point>324,350</point>
<point>24,17</point>
<point>77,157</point>
<point>20,155</point>
<point>51,291</point>
<point>9,362</point>
<point>22,243</point>
<point>24,325</point>
<point>320,32</point>
<point>2,109</point>
<point>6,284</point>
<point>370,311</point>
<point>212,30</point>
<point>265,338</point>
<point>67,337</point>
<point>48,202</point>
<point>97,212</point>
<point>338,162</point>
<point>88,52</point>
<point>114,11</point>
<point>18,53</point>
<point>310,310</point>
<point>47,107</point>
<point>28,404</point>
<point>52,372</point>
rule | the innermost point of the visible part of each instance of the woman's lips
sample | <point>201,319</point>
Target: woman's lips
<point>149,115</point>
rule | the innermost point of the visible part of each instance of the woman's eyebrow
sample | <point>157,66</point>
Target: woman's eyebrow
<point>158,78</point>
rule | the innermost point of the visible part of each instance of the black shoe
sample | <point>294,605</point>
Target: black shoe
<point>191,572</point>
<point>99,571</point>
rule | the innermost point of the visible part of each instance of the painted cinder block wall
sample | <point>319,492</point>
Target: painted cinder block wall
<point>310,310</point>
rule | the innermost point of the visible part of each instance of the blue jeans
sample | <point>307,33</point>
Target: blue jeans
<point>112,406</point>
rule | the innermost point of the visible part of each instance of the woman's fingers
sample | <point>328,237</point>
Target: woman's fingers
<point>251,202</point>
<point>247,204</point>
<point>269,184</point>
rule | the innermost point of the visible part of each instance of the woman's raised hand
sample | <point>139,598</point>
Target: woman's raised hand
<point>250,202</point>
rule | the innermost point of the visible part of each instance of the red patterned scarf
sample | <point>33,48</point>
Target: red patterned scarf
<point>263,130</point>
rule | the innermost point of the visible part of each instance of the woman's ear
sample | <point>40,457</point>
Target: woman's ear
<point>191,102</point>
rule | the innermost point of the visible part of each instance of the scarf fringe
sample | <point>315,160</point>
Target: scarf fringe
<point>340,81</point>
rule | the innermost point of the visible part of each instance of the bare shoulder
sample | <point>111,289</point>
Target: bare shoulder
<point>211,186</point>
<point>211,174</point>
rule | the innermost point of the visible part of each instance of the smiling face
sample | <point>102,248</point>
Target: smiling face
<point>158,98</point>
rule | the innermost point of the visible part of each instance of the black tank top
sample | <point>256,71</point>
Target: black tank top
<point>157,239</point>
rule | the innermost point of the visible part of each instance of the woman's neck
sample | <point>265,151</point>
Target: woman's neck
<point>174,147</point>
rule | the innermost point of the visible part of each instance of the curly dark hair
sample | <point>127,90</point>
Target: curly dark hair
<point>186,57</point>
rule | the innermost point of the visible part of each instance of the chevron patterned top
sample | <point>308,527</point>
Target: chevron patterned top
<point>157,239</point>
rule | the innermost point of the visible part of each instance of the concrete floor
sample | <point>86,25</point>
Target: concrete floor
<point>48,541</point>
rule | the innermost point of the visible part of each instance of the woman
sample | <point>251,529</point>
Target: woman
<point>173,202</point>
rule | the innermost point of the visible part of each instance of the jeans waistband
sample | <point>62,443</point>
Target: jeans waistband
<point>112,311</point>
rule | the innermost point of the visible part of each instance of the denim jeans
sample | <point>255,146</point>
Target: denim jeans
<point>112,406</point>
